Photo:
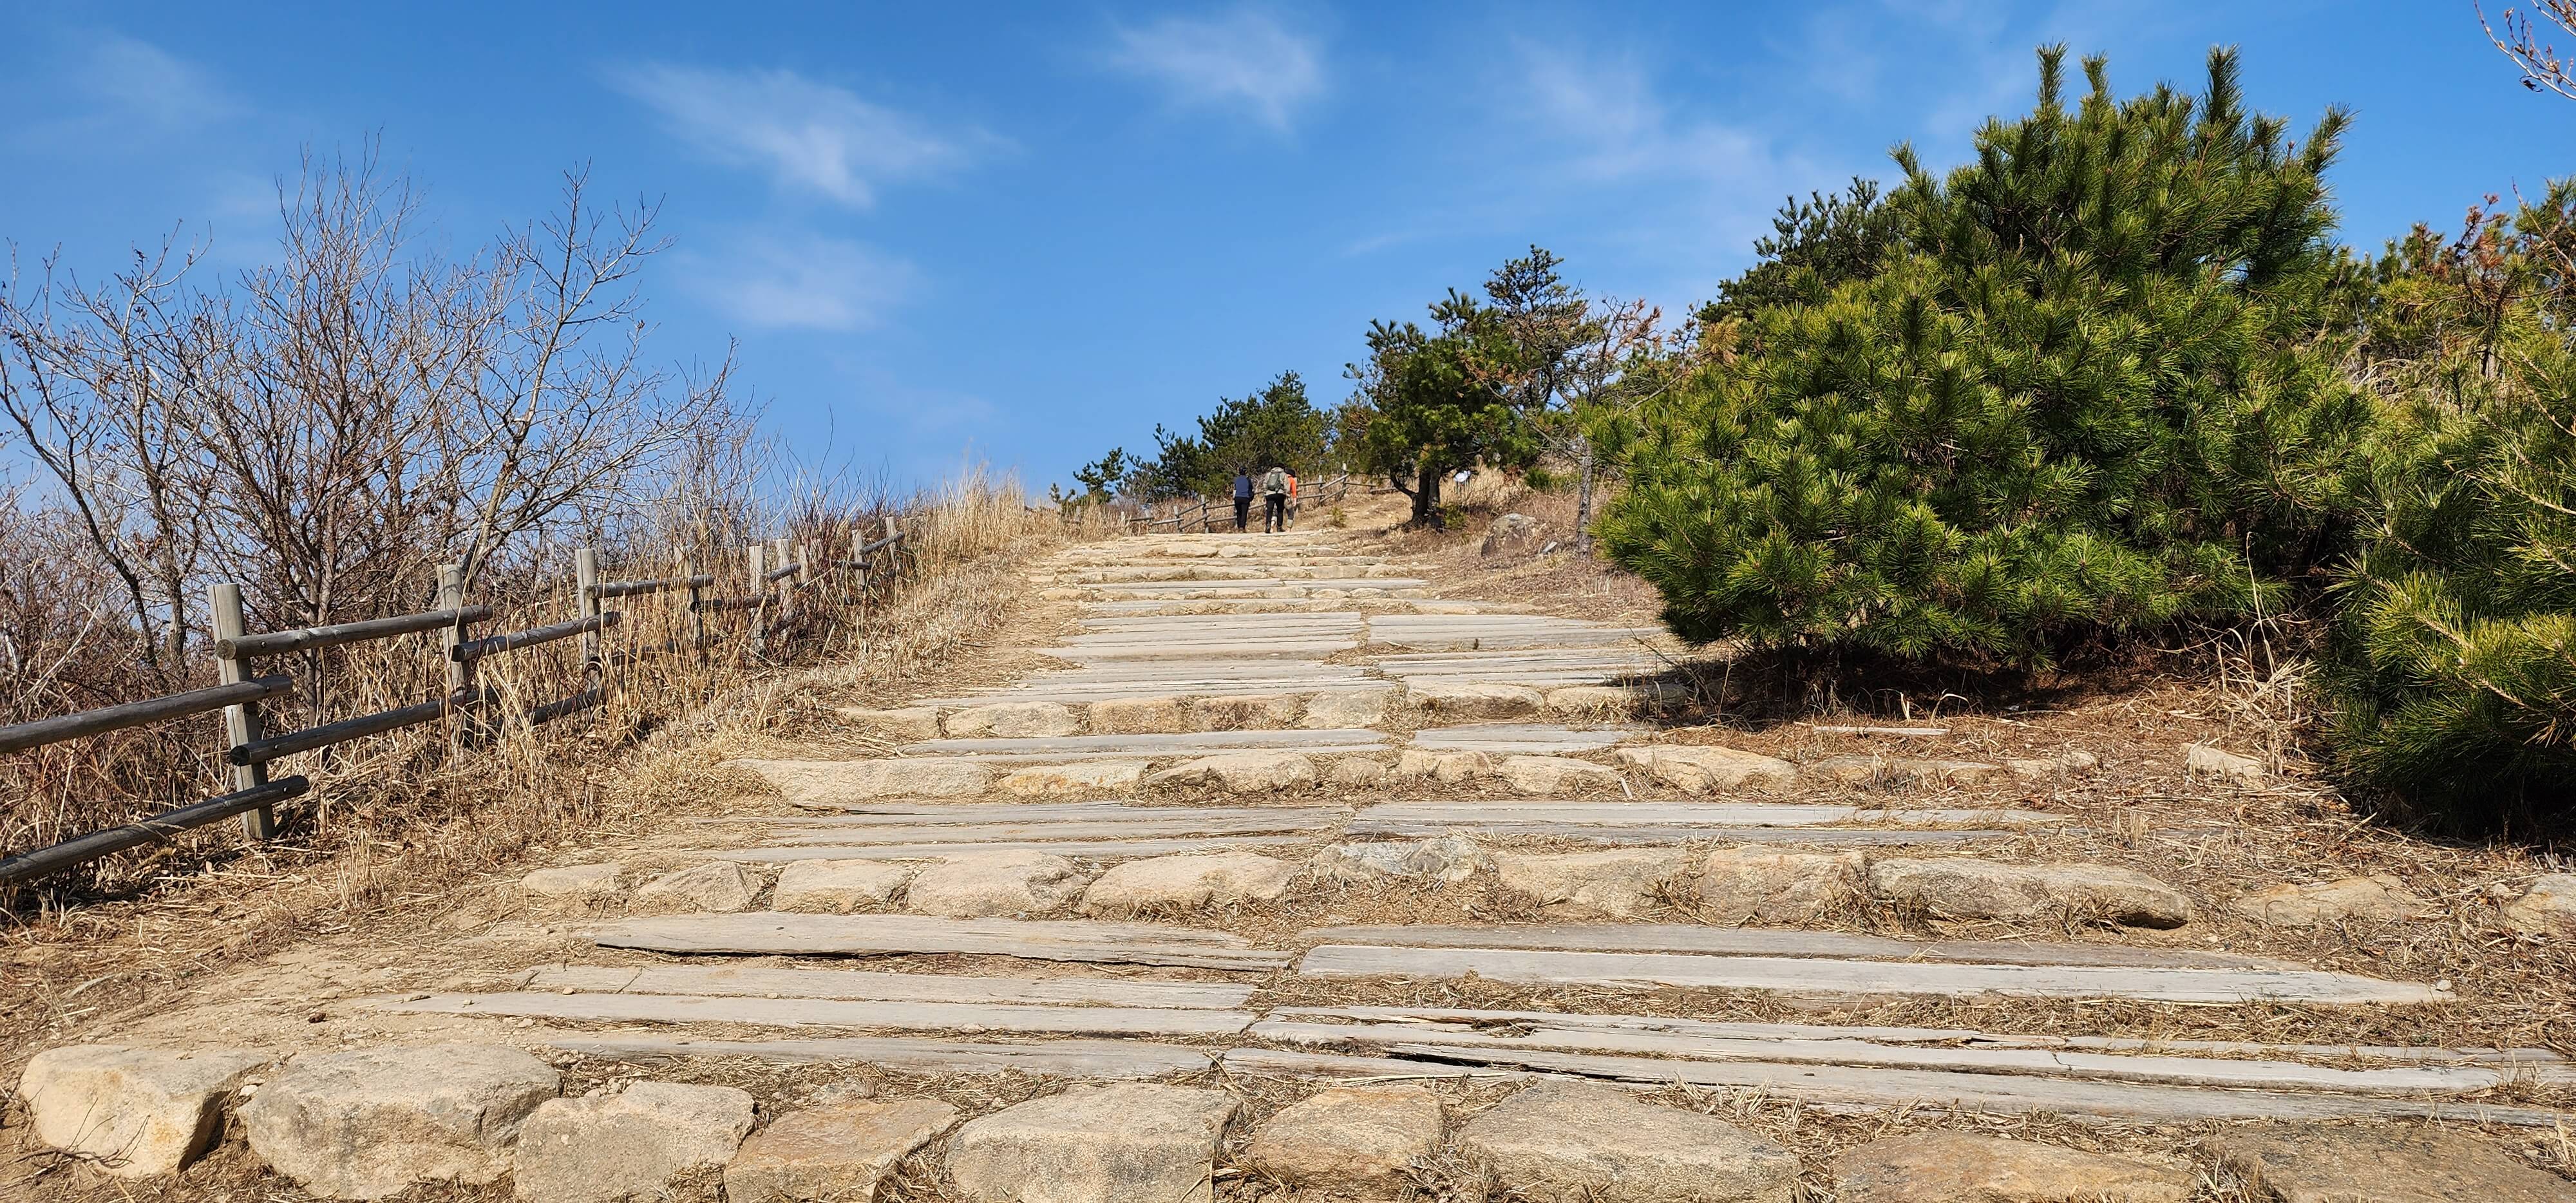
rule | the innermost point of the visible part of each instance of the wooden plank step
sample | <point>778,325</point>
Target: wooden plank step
<point>1326,1027</point>
<point>1827,976</point>
<point>976,814</point>
<point>1856,837</point>
<point>1078,849</point>
<point>1095,1059</point>
<point>1772,941</point>
<point>1158,743</point>
<point>1345,1069</point>
<point>1541,739</point>
<point>772,933</point>
<point>1878,1089</point>
<point>2538,1058</point>
<point>830,1013</point>
<point>1728,814</point>
<point>1041,829</point>
<point>787,982</point>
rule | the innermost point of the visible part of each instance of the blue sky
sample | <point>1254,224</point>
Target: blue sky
<point>1024,233</point>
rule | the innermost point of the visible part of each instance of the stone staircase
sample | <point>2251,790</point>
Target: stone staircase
<point>1289,826</point>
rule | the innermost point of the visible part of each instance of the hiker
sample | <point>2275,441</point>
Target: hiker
<point>1274,492</point>
<point>1292,500</point>
<point>1242,499</point>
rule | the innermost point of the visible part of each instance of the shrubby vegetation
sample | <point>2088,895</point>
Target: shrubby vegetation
<point>2075,397</point>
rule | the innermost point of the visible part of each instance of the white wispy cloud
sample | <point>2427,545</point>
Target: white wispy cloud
<point>1680,178</point>
<point>1246,59</point>
<point>105,88</point>
<point>811,136</point>
<point>796,281</point>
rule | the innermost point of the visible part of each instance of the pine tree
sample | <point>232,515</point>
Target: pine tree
<point>2076,399</point>
<point>2454,666</point>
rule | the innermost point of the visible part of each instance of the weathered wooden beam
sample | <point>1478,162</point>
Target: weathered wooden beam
<point>609,589</point>
<point>261,751</point>
<point>307,638</point>
<point>22,736</point>
<point>587,699</point>
<point>43,862</point>
<point>476,649</point>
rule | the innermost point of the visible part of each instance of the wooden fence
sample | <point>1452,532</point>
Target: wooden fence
<point>778,575</point>
<point>1209,514</point>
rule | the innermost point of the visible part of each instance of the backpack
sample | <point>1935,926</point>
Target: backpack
<point>1276,482</point>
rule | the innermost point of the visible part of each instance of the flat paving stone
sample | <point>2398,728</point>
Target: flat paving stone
<point>768,934</point>
<point>1523,739</point>
<point>829,1013</point>
<point>1095,1144</point>
<point>133,1112</point>
<point>1578,1142</point>
<point>839,1151</point>
<point>2384,1165</point>
<point>925,1054</point>
<point>1960,1165</point>
<point>788,982</point>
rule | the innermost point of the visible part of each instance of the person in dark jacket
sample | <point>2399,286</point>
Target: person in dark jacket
<point>1242,500</point>
<point>1274,491</point>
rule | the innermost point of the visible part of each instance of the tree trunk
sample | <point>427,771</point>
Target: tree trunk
<point>1583,496</point>
<point>1426,496</point>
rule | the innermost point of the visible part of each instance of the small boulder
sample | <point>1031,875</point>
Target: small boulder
<point>1966,888</point>
<point>1357,1140</point>
<point>1244,713</point>
<point>1447,767</point>
<point>1095,1144</point>
<point>838,1151</point>
<point>2378,898</point>
<point>2548,907</point>
<point>898,726</point>
<point>2063,764</point>
<point>1242,772</point>
<point>1449,859</point>
<point>720,887</point>
<point>1012,720</point>
<point>983,884</point>
<point>1619,884</point>
<point>1543,775</point>
<point>1757,884</point>
<point>1700,768</point>
<point>2204,760</point>
<point>364,1125</point>
<point>1512,532</point>
<point>1069,780</point>
<point>1473,699</point>
<point>1346,711</point>
<point>578,887</point>
<point>1138,716</point>
<point>2322,1164</point>
<point>1594,701</point>
<point>134,1112</point>
<point>1566,1141</point>
<point>651,1142</point>
<point>1987,1169</point>
<point>1188,882</point>
<point>1355,771</point>
<point>848,780</point>
<point>837,887</point>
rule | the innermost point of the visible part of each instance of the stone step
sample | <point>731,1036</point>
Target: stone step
<point>881,814</point>
<point>1232,647</point>
<point>781,982</point>
<point>1815,976</point>
<point>1598,833</point>
<point>828,1012</point>
<point>774,934</point>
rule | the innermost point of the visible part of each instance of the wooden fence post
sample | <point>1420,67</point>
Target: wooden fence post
<point>697,619</point>
<point>241,722</point>
<point>460,673</point>
<point>585,582</point>
<point>759,612</point>
<point>894,554</point>
<point>786,585</point>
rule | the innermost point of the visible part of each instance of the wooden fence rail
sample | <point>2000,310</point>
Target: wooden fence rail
<point>247,749</point>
